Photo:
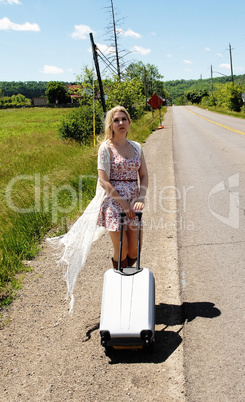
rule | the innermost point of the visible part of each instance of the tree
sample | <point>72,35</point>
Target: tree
<point>115,59</point>
<point>128,93</point>
<point>149,74</point>
<point>195,96</point>
<point>57,93</point>
<point>89,86</point>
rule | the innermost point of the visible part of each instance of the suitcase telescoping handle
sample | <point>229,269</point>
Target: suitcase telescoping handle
<point>122,215</point>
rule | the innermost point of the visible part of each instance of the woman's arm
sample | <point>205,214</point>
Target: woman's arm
<point>143,176</point>
<point>112,192</point>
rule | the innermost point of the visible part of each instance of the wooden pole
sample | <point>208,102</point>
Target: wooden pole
<point>95,56</point>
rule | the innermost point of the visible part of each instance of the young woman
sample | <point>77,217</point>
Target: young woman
<point>121,186</point>
<point>125,179</point>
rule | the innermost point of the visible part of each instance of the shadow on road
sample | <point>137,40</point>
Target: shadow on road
<point>166,341</point>
<point>171,314</point>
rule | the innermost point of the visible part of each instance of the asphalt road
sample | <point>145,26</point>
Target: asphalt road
<point>209,160</point>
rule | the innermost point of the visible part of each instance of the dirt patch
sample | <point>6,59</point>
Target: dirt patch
<point>47,355</point>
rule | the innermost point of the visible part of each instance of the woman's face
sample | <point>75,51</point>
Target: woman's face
<point>120,124</point>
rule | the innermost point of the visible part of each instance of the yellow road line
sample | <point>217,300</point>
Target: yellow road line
<point>214,122</point>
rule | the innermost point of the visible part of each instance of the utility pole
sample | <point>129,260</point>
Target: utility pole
<point>115,36</point>
<point>145,88</point>
<point>96,63</point>
<point>232,79</point>
<point>212,85</point>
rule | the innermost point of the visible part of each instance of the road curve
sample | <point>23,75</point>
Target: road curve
<point>209,154</point>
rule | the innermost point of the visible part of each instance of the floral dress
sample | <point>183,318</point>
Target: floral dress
<point>124,177</point>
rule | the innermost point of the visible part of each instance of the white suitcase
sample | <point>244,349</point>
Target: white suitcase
<point>128,304</point>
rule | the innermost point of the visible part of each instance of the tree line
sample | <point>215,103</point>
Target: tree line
<point>178,89</point>
<point>175,88</point>
<point>29,89</point>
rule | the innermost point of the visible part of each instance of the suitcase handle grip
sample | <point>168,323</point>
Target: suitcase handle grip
<point>137,213</point>
<point>122,215</point>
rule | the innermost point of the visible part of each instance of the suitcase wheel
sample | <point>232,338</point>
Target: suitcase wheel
<point>105,337</point>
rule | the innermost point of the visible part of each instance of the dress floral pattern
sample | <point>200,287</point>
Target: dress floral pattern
<point>124,177</point>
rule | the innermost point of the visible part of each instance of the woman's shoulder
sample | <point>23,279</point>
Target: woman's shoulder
<point>104,146</point>
<point>136,145</point>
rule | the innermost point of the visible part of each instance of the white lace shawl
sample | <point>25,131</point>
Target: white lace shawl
<point>76,243</point>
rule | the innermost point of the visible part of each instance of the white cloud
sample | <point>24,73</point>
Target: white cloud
<point>6,24</point>
<point>187,61</point>
<point>130,32</point>
<point>104,49</point>
<point>51,69</point>
<point>223,65</point>
<point>81,32</point>
<point>207,49</point>
<point>141,50</point>
<point>169,55</point>
<point>10,1</point>
<point>220,55</point>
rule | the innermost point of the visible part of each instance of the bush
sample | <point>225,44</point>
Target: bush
<point>209,101</point>
<point>78,125</point>
<point>230,97</point>
<point>128,94</point>
<point>14,101</point>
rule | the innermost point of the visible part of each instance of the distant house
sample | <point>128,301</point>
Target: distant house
<point>73,92</point>
<point>39,101</point>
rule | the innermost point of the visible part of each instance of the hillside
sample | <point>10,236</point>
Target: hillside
<point>179,87</point>
<point>176,88</point>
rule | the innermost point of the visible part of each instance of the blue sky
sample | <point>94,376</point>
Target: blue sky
<point>44,40</point>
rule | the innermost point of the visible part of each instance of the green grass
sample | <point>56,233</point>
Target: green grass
<point>45,183</point>
<point>240,115</point>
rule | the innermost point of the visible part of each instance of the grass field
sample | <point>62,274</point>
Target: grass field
<point>45,182</point>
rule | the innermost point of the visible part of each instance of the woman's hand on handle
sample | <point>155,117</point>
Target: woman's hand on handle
<point>139,206</point>
<point>129,211</point>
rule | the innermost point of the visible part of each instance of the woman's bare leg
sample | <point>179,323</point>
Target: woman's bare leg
<point>132,235</point>
<point>130,242</point>
<point>115,237</point>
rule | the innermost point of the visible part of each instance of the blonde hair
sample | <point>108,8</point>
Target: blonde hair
<point>109,118</point>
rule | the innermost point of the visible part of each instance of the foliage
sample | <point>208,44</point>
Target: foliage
<point>128,93</point>
<point>89,86</point>
<point>149,75</point>
<point>196,96</point>
<point>178,88</point>
<point>57,93</point>
<point>180,100</point>
<point>14,101</point>
<point>78,125</point>
<point>229,96</point>
<point>175,88</point>
<point>30,89</point>
<point>209,101</point>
